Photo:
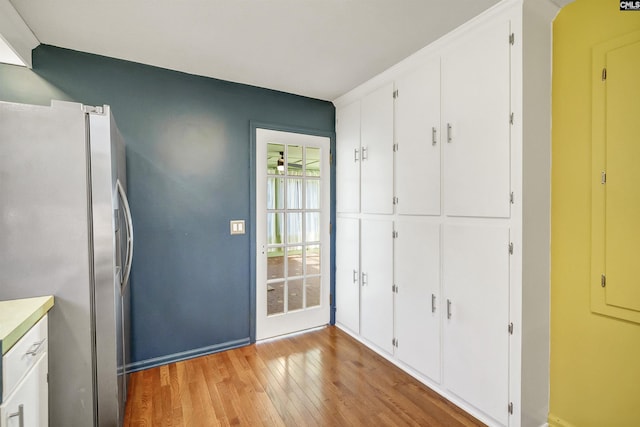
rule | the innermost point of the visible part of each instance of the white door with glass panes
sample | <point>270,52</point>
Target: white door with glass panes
<point>418,138</point>
<point>348,273</point>
<point>292,232</point>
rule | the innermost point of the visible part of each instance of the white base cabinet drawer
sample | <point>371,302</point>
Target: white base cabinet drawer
<point>23,355</point>
<point>28,405</point>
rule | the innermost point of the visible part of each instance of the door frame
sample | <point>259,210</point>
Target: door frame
<point>251,227</point>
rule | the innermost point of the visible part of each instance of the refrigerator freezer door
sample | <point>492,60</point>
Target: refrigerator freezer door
<point>106,152</point>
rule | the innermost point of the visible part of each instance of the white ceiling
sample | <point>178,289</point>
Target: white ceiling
<point>315,48</point>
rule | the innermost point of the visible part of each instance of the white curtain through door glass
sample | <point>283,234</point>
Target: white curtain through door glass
<point>275,222</point>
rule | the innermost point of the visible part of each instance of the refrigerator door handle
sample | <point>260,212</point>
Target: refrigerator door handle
<point>129,226</point>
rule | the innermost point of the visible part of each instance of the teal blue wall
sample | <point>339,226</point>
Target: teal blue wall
<point>188,165</point>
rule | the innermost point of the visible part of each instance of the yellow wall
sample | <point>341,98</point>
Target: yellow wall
<point>595,360</point>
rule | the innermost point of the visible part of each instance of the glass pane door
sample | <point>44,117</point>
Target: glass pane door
<point>293,207</point>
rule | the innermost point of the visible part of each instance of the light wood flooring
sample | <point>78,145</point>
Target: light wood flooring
<point>320,378</point>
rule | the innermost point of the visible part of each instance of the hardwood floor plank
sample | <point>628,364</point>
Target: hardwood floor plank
<point>320,378</point>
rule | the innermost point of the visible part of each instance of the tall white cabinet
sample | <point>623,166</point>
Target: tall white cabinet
<point>348,273</point>
<point>476,114</point>
<point>442,238</point>
<point>376,155</point>
<point>417,295</point>
<point>475,281</point>
<point>418,136</point>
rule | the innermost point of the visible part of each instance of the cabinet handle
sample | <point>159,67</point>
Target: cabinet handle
<point>365,150</point>
<point>364,279</point>
<point>433,303</point>
<point>356,152</point>
<point>448,309</point>
<point>449,132</point>
<point>33,350</point>
<point>20,415</point>
<point>434,138</point>
<point>355,276</point>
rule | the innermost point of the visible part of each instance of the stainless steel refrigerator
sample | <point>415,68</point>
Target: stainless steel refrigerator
<point>66,230</point>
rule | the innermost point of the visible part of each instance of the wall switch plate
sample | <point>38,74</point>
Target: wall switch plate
<point>237,226</point>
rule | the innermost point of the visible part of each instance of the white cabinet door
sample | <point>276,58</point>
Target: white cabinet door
<point>32,395</point>
<point>418,139</point>
<point>476,291</point>
<point>348,273</point>
<point>417,276</point>
<point>377,151</point>
<point>348,158</point>
<point>475,123</point>
<point>376,282</point>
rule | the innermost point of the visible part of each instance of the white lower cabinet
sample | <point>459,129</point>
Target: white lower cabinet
<point>25,397</point>
<point>348,273</point>
<point>475,333</point>
<point>28,405</point>
<point>376,279</point>
<point>417,299</point>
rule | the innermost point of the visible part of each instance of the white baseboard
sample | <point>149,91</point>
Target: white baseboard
<point>438,388</point>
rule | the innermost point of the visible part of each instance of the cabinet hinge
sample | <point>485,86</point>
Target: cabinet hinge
<point>395,94</point>
<point>604,74</point>
<point>330,300</point>
<point>394,289</point>
<point>510,328</point>
<point>330,228</point>
<point>395,200</point>
<point>511,198</point>
<point>394,234</point>
<point>395,147</point>
<point>330,158</point>
<point>511,248</point>
<point>512,38</point>
<point>603,177</point>
<point>511,118</point>
<point>603,281</point>
<point>510,408</point>
<point>394,342</point>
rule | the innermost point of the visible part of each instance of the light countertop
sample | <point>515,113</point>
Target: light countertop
<point>18,316</point>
